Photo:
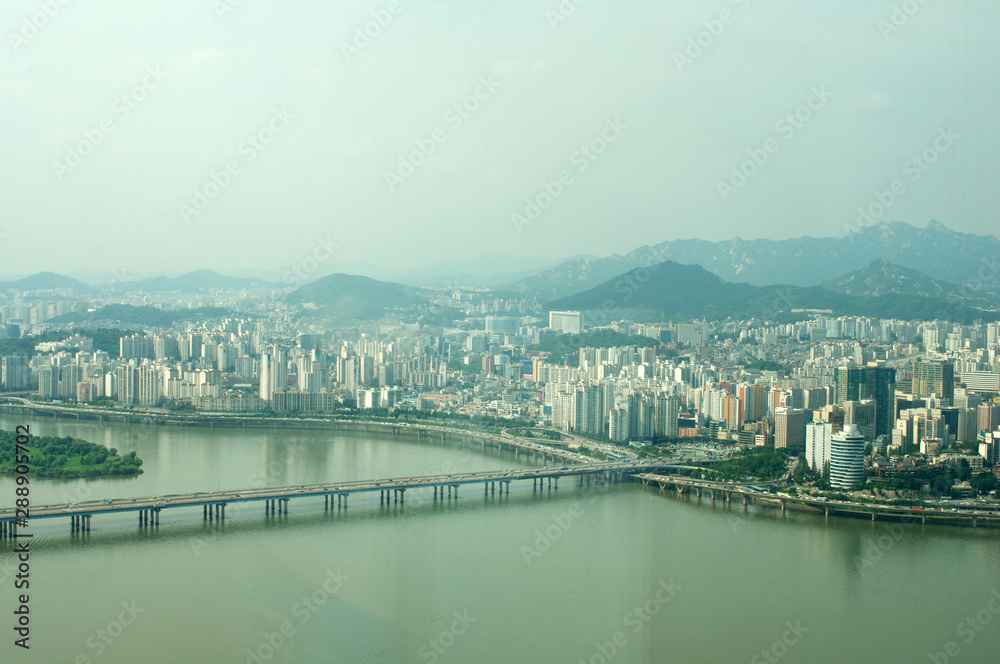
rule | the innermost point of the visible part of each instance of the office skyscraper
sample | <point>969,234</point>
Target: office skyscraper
<point>871,382</point>
<point>934,377</point>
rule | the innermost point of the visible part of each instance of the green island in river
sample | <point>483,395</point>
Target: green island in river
<point>67,457</point>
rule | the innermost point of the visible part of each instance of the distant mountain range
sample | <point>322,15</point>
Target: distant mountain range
<point>45,281</point>
<point>672,290</point>
<point>882,278</point>
<point>887,270</point>
<point>936,251</point>
<point>193,282</point>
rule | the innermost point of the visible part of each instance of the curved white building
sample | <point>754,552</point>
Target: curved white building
<point>847,457</point>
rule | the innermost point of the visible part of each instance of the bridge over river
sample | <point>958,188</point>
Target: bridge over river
<point>276,499</point>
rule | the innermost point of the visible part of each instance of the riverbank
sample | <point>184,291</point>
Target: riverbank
<point>502,441</point>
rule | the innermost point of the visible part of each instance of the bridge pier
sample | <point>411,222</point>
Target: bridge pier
<point>874,514</point>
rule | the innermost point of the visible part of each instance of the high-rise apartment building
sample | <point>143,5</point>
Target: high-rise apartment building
<point>988,417</point>
<point>668,409</point>
<point>789,427</point>
<point>14,372</point>
<point>819,436</point>
<point>589,405</point>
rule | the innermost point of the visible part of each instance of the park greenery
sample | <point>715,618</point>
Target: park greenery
<point>66,457</point>
<point>752,464</point>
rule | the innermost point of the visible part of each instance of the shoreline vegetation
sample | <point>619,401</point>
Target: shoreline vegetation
<point>67,458</point>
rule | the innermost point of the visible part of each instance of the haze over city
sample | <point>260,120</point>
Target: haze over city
<point>119,116</point>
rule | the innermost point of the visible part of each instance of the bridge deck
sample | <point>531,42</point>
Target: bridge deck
<point>198,499</point>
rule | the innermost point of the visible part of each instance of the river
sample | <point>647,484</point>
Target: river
<point>593,574</point>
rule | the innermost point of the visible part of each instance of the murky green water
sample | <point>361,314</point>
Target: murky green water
<point>619,574</point>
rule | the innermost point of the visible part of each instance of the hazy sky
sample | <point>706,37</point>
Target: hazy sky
<point>117,113</point>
